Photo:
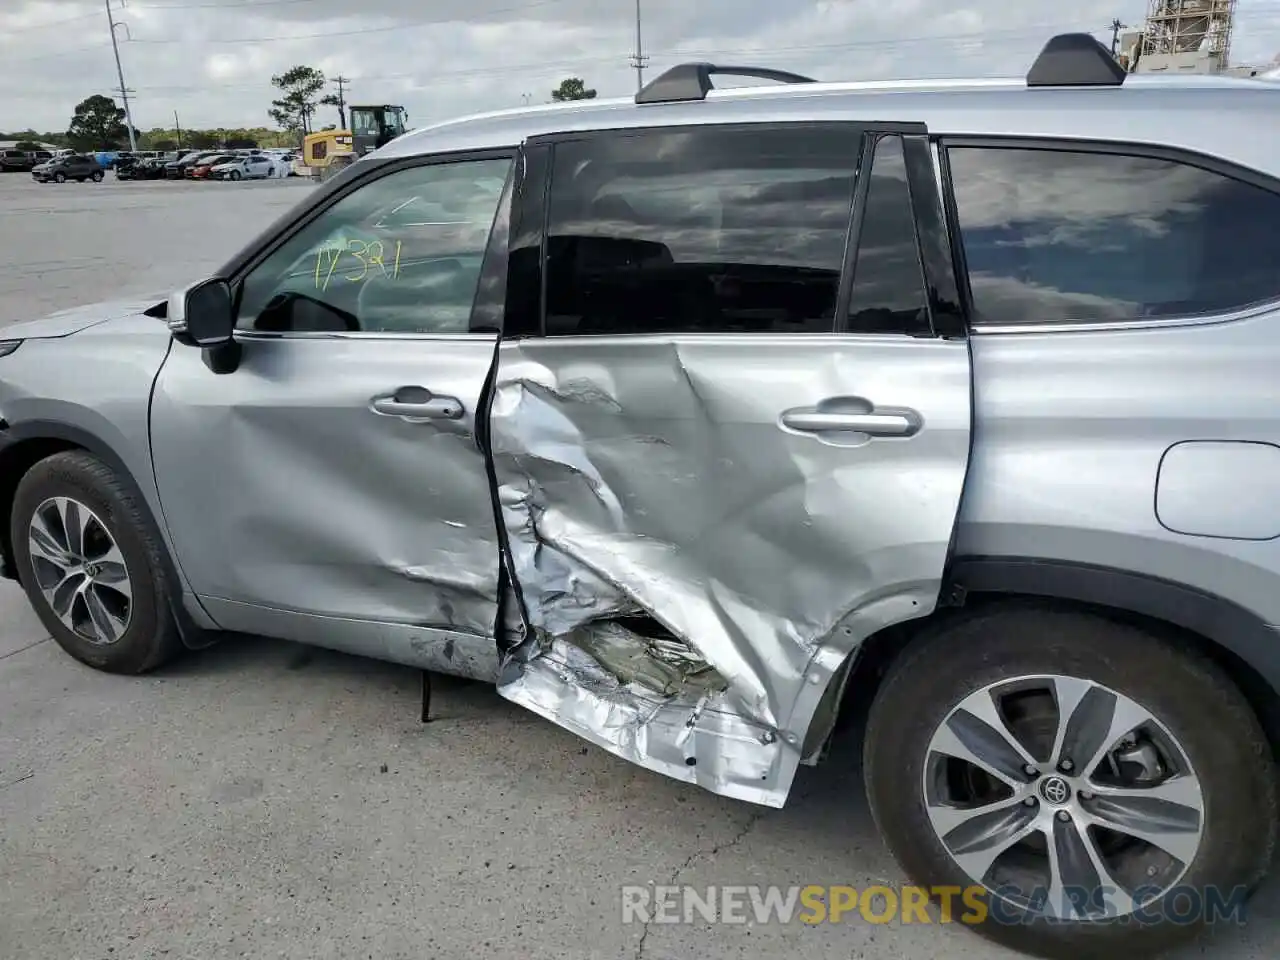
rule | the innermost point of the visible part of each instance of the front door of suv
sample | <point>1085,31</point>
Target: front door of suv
<point>733,443</point>
<point>331,489</point>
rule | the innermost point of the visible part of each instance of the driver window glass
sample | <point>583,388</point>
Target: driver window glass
<point>401,254</point>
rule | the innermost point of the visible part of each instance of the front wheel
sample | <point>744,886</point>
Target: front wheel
<point>96,176</point>
<point>1091,789</point>
<point>235,174</point>
<point>59,178</point>
<point>92,565</point>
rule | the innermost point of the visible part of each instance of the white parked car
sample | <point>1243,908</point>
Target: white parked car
<point>254,167</point>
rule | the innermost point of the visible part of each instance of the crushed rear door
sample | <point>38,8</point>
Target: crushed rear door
<point>703,524</point>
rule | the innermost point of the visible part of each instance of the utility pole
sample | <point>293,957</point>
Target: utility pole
<point>178,129</point>
<point>638,59</point>
<point>1116,27</point>
<point>124,91</point>
<point>342,103</point>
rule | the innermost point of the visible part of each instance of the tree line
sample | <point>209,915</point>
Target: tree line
<point>98,122</point>
<point>300,97</point>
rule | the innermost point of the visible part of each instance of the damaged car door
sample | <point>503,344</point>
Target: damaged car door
<point>735,444</point>
<point>331,489</point>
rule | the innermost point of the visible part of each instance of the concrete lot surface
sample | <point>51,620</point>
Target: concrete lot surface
<point>73,243</point>
<point>265,800</point>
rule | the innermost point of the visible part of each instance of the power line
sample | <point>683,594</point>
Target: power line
<point>252,4</point>
<point>638,59</point>
<point>342,101</point>
<point>51,23</point>
<point>362,31</point>
<point>1031,31</point>
<point>415,24</point>
<point>124,90</point>
<point>683,54</point>
<point>1116,27</point>
<point>57,53</point>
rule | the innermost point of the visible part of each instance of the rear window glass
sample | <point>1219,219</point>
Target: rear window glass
<point>1054,236</point>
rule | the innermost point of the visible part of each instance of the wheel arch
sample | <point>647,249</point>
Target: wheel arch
<point>23,446</point>
<point>1240,642</point>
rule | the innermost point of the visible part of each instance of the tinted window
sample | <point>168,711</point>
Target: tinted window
<point>1058,236</point>
<point>888,294</point>
<point>698,230</point>
<point>400,254</point>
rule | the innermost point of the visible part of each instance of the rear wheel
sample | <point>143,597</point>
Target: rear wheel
<point>91,565</point>
<point>1095,788</point>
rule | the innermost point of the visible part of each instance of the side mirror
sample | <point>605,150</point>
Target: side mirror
<point>203,314</point>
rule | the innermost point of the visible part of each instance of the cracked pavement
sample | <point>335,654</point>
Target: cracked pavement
<point>261,799</point>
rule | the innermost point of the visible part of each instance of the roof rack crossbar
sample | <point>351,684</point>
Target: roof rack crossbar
<point>692,81</point>
<point>1075,60</point>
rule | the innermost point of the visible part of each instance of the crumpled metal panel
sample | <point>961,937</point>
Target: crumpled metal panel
<point>652,477</point>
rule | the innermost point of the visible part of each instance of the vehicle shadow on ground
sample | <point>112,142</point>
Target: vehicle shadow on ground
<point>827,808</point>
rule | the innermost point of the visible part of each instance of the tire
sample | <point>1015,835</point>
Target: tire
<point>59,178</point>
<point>235,174</point>
<point>1191,700</point>
<point>150,633</point>
<point>96,176</point>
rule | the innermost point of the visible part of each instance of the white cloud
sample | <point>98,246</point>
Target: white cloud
<point>211,60</point>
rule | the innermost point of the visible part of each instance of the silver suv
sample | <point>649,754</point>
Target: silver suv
<point>700,421</point>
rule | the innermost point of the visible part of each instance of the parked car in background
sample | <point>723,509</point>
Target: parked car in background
<point>256,166</point>
<point>140,168</point>
<point>124,167</point>
<point>177,169</point>
<point>14,161</point>
<point>152,169</point>
<point>22,161</point>
<point>74,166</point>
<point>201,169</point>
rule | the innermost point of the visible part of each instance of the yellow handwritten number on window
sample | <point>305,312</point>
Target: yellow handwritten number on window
<point>368,254</point>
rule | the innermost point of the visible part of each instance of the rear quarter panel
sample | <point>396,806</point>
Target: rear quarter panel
<point>1070,431</point>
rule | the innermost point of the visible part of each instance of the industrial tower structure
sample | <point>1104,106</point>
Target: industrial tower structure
<point>1183,36</point>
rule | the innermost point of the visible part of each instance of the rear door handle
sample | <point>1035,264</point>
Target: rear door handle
<point>417,403</point>
<point>898,423</point>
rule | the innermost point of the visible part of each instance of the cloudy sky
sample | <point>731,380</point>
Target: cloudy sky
<point>211,60</point>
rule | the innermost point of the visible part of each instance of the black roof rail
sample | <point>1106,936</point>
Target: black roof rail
<point>692,81</point>
<point>1075,60</point>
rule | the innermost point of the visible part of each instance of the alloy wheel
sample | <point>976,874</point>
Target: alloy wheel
<point>80,570</point>
<point>1063,797</point>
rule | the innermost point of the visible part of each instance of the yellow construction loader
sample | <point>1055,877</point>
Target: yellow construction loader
<point>327,152</point>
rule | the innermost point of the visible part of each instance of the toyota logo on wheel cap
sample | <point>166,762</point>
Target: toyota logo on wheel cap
<point>1055,791</point>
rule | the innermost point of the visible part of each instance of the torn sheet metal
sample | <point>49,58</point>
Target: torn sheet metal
<point>651,478</point>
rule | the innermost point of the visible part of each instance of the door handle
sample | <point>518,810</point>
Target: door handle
<point>418,403</point>
<point>898,423</point>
